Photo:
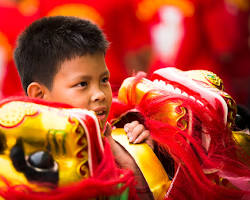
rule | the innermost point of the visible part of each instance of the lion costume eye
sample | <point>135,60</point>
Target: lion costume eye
<point>37,167</point>
<point>41,160</point>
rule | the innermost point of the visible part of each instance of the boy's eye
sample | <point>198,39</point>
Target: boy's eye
<point>83,84</point>
<point>105,79</point>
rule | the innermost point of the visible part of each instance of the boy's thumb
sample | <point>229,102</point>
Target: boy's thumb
<point>108,129</point>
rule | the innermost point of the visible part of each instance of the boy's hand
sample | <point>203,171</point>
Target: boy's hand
<point>137,133</point>
<point>125,161</point>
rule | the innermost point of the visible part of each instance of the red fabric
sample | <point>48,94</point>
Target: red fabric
<point>226,27</point>
<point>12,85</point>
<point>215,38</point>
<point>186,34</point>
<point>12,22</point>
<point>104,182</point>
<point>35,100</point>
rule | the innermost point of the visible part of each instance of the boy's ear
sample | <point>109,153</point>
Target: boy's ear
<point>36,90</point>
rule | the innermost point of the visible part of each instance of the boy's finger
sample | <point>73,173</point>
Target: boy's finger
<point>145,137</point>
<point>108,129</point>
<point>130,126</point>
<point>150,142</point>
<point>142,137</point>
<point>138,129</point>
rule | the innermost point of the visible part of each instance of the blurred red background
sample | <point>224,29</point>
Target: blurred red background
<point>146,35</point>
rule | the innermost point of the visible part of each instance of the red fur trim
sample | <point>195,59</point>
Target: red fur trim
<point>34,100</point>
<point>200,172</point>
<point>187,150</point>
<point>117,109</point>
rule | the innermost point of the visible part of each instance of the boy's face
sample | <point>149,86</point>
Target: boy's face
<point>83,82</point>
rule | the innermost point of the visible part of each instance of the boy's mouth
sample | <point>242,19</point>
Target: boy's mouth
<point>100,112</point>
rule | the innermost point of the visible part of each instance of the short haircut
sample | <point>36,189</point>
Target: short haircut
<point>50,41</point>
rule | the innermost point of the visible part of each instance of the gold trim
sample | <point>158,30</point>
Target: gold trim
<point>148,163</point>
<point>242,139</point>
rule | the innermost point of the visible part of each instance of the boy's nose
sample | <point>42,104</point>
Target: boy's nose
<point>98,95</point>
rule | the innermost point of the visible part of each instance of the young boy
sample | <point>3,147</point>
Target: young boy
<point>62,59</point>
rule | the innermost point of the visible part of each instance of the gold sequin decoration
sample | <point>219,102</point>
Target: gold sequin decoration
<point>215,80</point>
<point>232,108</point>
<point>13,113</point>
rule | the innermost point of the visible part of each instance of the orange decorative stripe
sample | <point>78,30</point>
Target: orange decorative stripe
<point>4,43</point>
<point>28,7</point>
<point>78,10</point>
<point>243,5</point>
<point>147,8</point>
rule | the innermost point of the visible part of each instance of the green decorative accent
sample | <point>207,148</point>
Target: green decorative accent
<point>214,79</point>
<point>123,196</point>
<point>53,133</point>
<point>209,75</point>
<point>64,143</point>
<point>54,140</point>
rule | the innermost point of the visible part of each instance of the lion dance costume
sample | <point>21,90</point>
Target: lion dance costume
<point>192,120</point>
<point>53,151</point>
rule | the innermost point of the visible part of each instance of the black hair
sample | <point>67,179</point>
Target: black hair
<point>49,41</point>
